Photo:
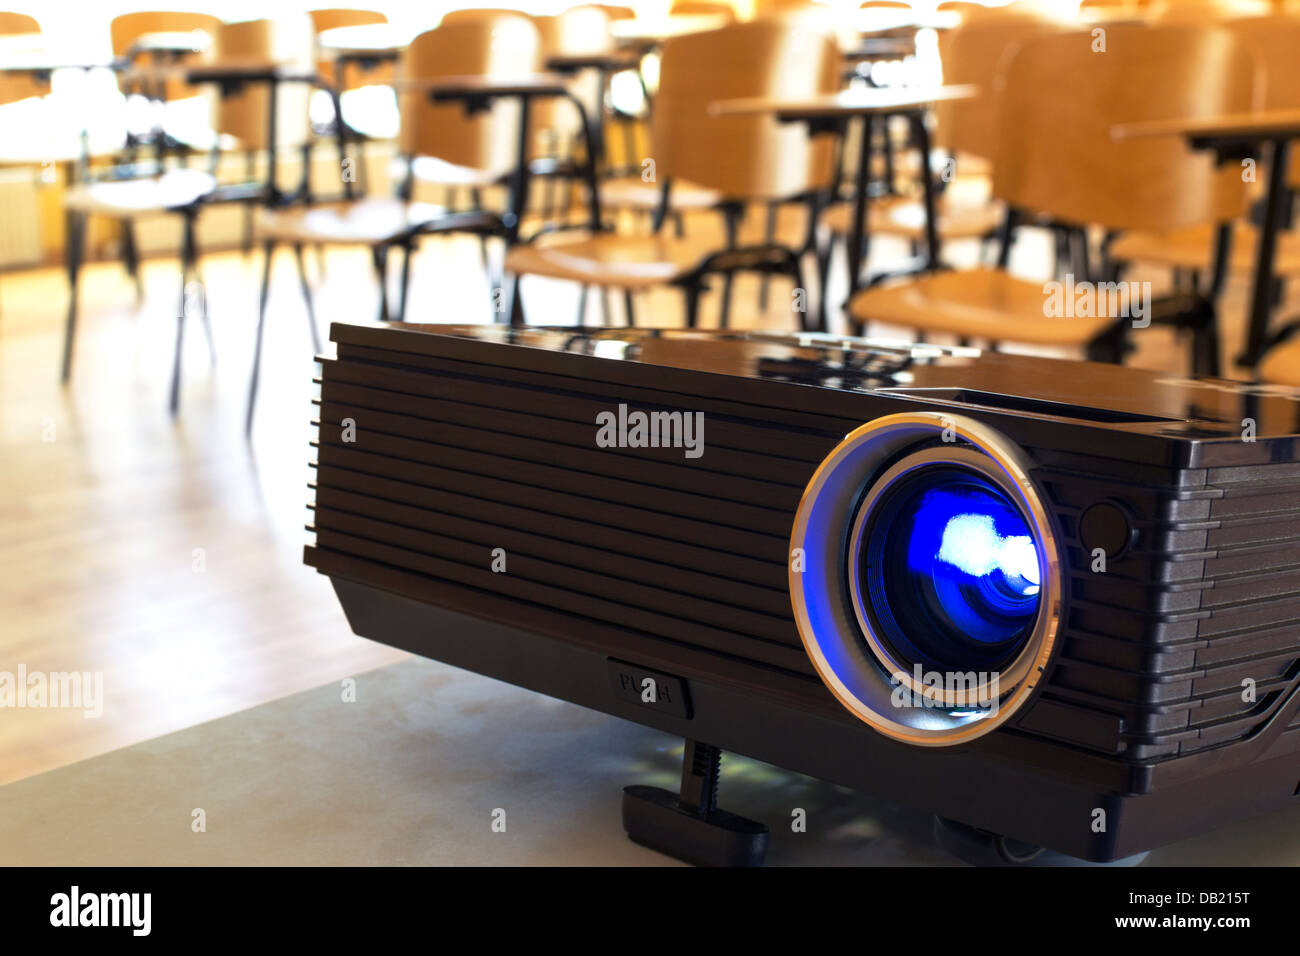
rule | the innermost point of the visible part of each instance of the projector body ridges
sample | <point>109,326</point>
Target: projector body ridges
<point>466,511</point>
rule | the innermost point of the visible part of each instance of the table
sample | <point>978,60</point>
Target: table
<point>646,33</point>
<point>883,20</point>
<point>477,93</point>
<point>411,772</point>
<point>830,113</point>
<point>1235,137</point>
<point>367,45</point>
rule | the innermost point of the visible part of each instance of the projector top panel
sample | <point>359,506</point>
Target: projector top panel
<point>829,369</point>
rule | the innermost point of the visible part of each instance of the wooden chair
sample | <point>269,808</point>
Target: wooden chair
<point>457,152</point>
<point>242,112</point>
<point>1057,158</point>
<point>702,8</point>
<point>351,79</point>
<point>440,136</point>
<point>745,158</point>
<point>498,45</point>
<point>128,28</point>
<point>965,131</point>
<point>1191,251</point>
<point>14,87</point>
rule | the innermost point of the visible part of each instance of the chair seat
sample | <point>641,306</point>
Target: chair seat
<point>1192,247</point>
<point>128,198</point>
<point>905,218</point>
<point>979,303</point>
<point>439,172</point>
<point>629,192</point>
<point>624,261</point>
<point>369,221</point>
<point>1281,365</point>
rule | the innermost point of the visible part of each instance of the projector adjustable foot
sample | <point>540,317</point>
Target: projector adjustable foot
<point>981,848</point>
<point>689,825</point>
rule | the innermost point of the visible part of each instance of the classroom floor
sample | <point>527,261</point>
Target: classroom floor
<point>167,554</point>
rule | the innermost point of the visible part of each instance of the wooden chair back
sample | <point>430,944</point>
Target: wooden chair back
<point>322,20</point>
<point>353,77</point>
<point>974,53</point>
<point>743,157</point>
<point>578,31</point>
<point>702,8</point>
<point>1060,101</point>
<point>17,86</point>
<point>502,44</point>
<point>126,29</point>
<point>288,42</point>
<point>1274,41</point>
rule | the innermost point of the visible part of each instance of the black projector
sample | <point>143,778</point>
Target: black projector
<point>1054,603</point>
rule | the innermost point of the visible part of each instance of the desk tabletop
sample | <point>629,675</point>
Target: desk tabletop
<point>475,85</point>
<point>179,41</point>
<point>1259,125</point>
<point>858,101</point>
<point>651,30</point>
<point>373,38</point>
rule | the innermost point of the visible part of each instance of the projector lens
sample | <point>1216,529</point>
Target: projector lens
<point>950,572</point>
<point>925,577</point>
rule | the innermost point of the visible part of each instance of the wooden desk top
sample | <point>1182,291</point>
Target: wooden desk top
<point>250,70</point>
<point>376,39</point>
<point>883,20</point>
<point>181,41</point>
<point>846,103</point>
<point>652,30</point>
<point>526,84</point>
<point>1259,125</point>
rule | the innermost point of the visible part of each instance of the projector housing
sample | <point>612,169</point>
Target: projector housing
<point>466,512</point>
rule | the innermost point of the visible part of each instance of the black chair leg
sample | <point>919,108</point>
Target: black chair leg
<point>629,308</point>
<point>824,258</point>
<point>380,257</point>
<point>769,236</point>
<point>406,279</point>
<point>693,292</point>
<point>188,269</point>
<point>75,228</point>
<point>582,305</point>
<point>1205,346</point>
<point>131,258</point>
<point>203,314</point>
<point>517,302</point>
<point>269,251</point>
<point>306,297</point>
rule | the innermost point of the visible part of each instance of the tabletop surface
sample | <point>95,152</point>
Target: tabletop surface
<point>1261,123</point>
<point>503,85</point>
<point>850,102</point>
<point>373,37</point>
<point>412,771</point>
<point>665,28</point>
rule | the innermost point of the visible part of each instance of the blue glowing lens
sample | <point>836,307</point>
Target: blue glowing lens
<point>953,571</point>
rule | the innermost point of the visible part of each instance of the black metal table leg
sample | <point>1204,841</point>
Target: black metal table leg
<point>922,135</point>
<point>1261,301</point>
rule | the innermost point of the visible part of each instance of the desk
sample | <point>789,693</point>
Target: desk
<point>1236,137</point>
<point>646,33</point>
<point>411,772</point>
<point>830,112</point>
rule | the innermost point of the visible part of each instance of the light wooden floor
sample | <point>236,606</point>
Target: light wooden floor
<point>105,502</point>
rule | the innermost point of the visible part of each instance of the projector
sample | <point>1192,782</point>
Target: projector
<point>1053,603</point>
